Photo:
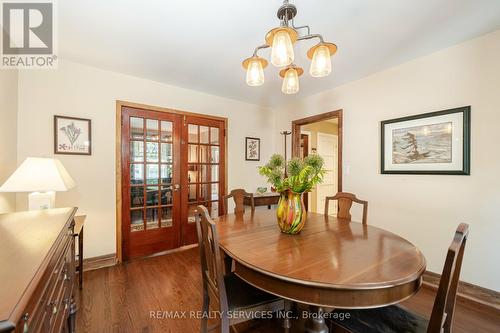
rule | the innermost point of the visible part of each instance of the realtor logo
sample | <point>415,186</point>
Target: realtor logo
<point>28,34</point>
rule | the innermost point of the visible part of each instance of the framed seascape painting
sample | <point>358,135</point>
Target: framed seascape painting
<point>72,136</point>
<point>436,143</point>
<point>252,149</point>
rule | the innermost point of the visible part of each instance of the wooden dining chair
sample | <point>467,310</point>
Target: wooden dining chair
<point>238,196</point>
<point>345,201</point>
<point>232,294</point>
<point>396,318</point>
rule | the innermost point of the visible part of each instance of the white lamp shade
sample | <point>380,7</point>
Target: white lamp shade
<point>37,174</point>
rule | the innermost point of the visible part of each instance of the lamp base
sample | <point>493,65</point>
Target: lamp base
<point>41,200</point>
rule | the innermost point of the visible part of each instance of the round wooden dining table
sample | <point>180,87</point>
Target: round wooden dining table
<point>330,263</point>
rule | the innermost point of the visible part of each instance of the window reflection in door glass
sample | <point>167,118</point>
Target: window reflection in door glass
<point>204,134</point>
<point>192,193</point>
<point>152,218</point>
<point>215,173</point>
<point>166,217</point>
<point>214,209</point>
<point>205,192</point>
<point>192,153</point>
<point>152,174</point>
<point>166,152</point>
<point>204,154</point>
<point>192,133</point>
<point>166,131</point>
<point>214,156</point>
<point>151,196</point>
<point>214,191</point>
<point>205,175</point>
<point>136,128</point>
<point>166,174</point>
<point>136,151</point>
<point>152,129</point>
<point>191,213</point>
<point>166,195</point>
<point>136,196</point>
<point>214,135</point>
<point>152,151</point>
<point>136,174</point>
<point>136,220</point>
<point>192,173</point>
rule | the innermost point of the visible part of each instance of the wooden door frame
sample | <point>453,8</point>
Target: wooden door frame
<point>118,159</point>
<point>296,124</point>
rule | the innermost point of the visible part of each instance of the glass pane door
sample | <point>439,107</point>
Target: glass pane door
<point>171,163</point>
<point>204,184</point>
<point>150,148</point>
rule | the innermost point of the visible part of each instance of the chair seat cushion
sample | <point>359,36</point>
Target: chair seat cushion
<point>241,295</point>
<point>391,319</point>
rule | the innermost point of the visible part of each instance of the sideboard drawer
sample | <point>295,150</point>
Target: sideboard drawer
<point>49,311</point>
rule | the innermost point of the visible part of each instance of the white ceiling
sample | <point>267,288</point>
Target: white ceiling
<point>199,44</point>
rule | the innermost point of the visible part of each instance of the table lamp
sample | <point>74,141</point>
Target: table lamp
<point>42,177</point>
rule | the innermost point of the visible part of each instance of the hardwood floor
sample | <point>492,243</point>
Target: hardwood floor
<point>128,297</point>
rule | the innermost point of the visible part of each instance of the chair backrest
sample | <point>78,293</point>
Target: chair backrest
<point>345,201</point>
<point>238,196</point>
<point>210,257</point>
<point>442,313</point>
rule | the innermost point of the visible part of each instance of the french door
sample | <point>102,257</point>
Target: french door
<point>171,163</point>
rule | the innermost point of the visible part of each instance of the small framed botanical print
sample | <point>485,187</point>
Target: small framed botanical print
<point>435,143</point>
<point>252,149</point>
<point>72,136</point>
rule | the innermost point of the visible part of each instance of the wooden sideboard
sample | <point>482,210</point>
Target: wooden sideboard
<point>37,276</point>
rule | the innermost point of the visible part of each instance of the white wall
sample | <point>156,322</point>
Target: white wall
<point>426,209</point>
<point>87,92</point>
<point>8,139</point>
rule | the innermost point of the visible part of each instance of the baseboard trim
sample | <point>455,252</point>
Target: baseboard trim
<point>467,292</point>
<point>109,260</point>
<point>106,260</point>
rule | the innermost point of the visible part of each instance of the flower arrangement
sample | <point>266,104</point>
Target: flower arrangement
<point>301,174</point>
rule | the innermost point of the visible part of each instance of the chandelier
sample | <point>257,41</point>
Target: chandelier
<point>281,41</point>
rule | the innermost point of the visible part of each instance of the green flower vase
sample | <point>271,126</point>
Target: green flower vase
<point>291,212</point>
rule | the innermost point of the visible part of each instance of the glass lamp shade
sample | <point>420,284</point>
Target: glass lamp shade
<point>282,50</point>
<point>290,82</point>
<point>321,64</point>
<point>255,73</point>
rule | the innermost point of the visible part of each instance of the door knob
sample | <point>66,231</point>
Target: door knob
<point>177,187</point>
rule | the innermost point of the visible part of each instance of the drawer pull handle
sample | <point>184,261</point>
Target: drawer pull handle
<point>54,309</point>
<point>65,277</point>
<point>26,317</point>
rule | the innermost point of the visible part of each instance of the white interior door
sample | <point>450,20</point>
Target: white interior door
<point>327,146</point>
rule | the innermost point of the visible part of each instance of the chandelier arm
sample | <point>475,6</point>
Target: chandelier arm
<point>302,27</point>
<point>311,36</point>
<point>265,46</point>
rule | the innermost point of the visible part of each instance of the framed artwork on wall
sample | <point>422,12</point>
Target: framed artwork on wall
<point>72,136</point>
<point>252,149</point>
<point>435,143</point>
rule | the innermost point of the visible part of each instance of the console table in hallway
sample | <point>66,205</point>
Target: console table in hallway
<point>266,199</point>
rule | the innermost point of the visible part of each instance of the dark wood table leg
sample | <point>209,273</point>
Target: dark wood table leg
<point>80,259</point>
<point>316,323</point>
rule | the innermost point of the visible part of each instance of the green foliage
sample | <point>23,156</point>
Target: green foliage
<point>302,175</point>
